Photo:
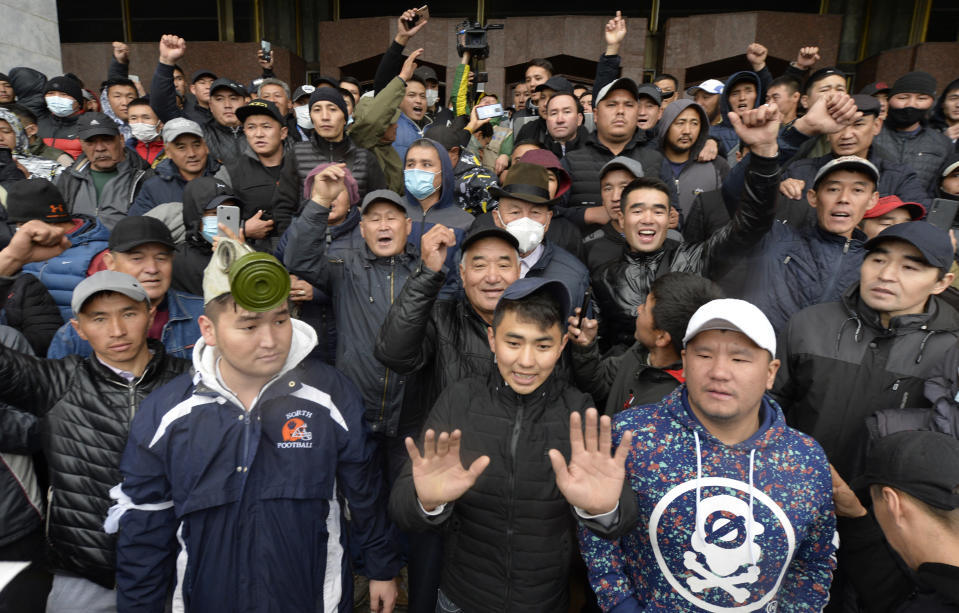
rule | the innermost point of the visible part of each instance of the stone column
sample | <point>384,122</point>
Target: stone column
<point>29,35</point>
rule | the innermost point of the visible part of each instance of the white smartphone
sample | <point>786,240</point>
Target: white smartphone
<point>489,111</point>
<point>228,216</point>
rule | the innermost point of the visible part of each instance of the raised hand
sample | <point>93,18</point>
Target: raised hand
<point>846,502</point>
<point>593,479</point>
<point>756,54</point>
<point>406,73</point>
<point>434,246</point>
<point>807,57</point>
<point>615,33</point>
<point>758,128</point>
<point>172,48</point>
<point>582,330</point>
<point>403,30</point>
<point>828,115</point>
<point>34,241</point>
<point>121,52</point>
<point>438,474</point>
<point>328,184</point>
<point>792,188</point>
<point>264,64</point>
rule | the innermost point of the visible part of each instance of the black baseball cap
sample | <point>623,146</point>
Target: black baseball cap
<point>383,195</point>
<point>867,105</point>
<point>555,83</point>
<point>139,230</point>
<point>95,124</point>
<point>36,199</point>
<point>199,74</point>
<point>821,74</point>
<point>847,162</point>
<point>229,84</point>
<point>650,91</point>
<point>260,107</point>
<point>932,242</point>
<point>207,192</point>
<point>426,73</point>
<point>924,465</point>
<point>877,87</point>
<point>479,231</point>
<point>326,81</point>
<point>521,288</point>
<point>444,135</point>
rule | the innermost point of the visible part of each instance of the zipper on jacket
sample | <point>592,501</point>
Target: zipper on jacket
<point>46,528</point>
<point>386,379</point>
<point>513,444</point>
<point>845,248</point>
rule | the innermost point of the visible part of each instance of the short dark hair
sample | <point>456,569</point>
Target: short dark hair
<point>542,63</point>
<point>352,81</point>
<point>643,183</point>
<point>486,130</point>
<point>345,92</point>
<point>488,95</point>
<point>24,114</point>
<point>579,105</point>
<point>527,141</point>
<point>790,82</point>
<point>517,84</point>
<point>142,101</point>
<point>214,308</point>
<point>106,85</point>
<point>678,296</point>
<point>538,307</point>
<point>663,76</point>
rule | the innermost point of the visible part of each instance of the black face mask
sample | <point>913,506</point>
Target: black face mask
<point>905,117</point>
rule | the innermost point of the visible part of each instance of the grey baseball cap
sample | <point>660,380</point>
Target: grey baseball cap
<point>178,127</point>
<point>107,281</point>
<point>383,195</point>
<point>621,162</point>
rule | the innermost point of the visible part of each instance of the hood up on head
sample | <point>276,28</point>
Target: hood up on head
<point>670,113</point>
<point>447,193</point>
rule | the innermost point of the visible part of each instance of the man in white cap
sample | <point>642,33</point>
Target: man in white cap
<point>739,505</point>
<point>706,95</point>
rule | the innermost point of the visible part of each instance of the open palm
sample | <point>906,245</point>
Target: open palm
<point>438,474</point>
<point>594,477</point>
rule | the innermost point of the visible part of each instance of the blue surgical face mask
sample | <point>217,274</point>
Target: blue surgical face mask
<point>61,107</point>
<point>210,227</point>
<point>419,182</point>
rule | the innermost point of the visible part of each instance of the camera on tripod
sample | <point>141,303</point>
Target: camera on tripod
<point>472,37</point>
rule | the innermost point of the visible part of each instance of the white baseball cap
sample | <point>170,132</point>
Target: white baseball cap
<point>733,314</point>
<point>710,86</point>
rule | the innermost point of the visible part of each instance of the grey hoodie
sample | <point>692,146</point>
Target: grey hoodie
<point>693,177</point>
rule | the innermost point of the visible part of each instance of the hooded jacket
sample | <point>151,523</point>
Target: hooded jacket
<point>362,164</point>
<point>407,131</point>
<point>938,118</point>
<point>509,540</point>
<point>167,185</point>
<point>257,507</point>
<point>118,194</point>
<point>923,151</point>
<point>86,410</point>
<point>446,211</point>
<point>39,167</point>
<point>61,274</point>
<point>937,190</point>
<point>58,132</point>
<point>839,365</point>
<point>622,285</point>
<point>122,125</point>
<point>767,500</point>
<point>472,185</point>
<point>194,253</point>
<point>372,117</point>
<point>363,287</point>
<point>723,132</point>
<point>694,177</point>
<point>894,178</point>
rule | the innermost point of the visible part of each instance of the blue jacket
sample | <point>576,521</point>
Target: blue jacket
<point>62,273</point>
<point>558,264</point>
<point>166,186</point>
<point>253,498</point>
<point>722,527</point>
<point>406,132</point>
<point>178,337</point>
<point>723,132</point>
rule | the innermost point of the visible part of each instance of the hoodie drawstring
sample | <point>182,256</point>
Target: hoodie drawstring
<point>749,520</point>
<point>699,475</point>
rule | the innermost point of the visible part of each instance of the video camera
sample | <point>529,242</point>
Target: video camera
<point>472,37</point>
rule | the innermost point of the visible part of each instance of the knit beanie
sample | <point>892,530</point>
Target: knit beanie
<point>66,85</point>
<point>914,83</point>
<point>329,94</point>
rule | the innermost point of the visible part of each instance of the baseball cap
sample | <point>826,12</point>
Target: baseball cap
<point>868,105</point>
<point>260,107</point>
<point>444,135</point>
<point>205,193</point>
<point>107,281</point>
<point>301,91</point>
<point>229,84</point>
<point>621,83</point>
<point>710,86</point>
<point>326,81</point>
<point>426,73</point>
<point>178,127</point>
<point>36,199</point>
<point>621,162</point>
<point>199,74</point>
<point>555,83</point>
<point>923,464</point>
<point>821,74</point>
<point>95,124</point>
<point>847,162</point>
<point>383,195</point>
<point>879,87</point>
<point>650,91</point>
<point>733,314</point>
<point>948,170</point>
<point>139,230</point>
<point>480,231</point>
<point>932,242</point>
<point>892,202</point>
<point>521,288</point>
<point>526,182</point>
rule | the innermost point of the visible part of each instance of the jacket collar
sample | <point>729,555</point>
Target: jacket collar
<point>152,369</point>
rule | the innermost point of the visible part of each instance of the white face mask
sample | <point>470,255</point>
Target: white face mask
<point>303,117</point>
<point>432,95</point>
<point>61,107</point>
<point>144,132</point>
<point>528,232</point>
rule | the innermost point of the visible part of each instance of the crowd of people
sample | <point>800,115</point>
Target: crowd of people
<point>622,347</point>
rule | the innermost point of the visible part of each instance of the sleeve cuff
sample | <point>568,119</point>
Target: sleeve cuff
<point>606,520</point>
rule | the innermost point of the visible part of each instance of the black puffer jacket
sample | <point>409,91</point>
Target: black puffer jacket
<point>839,365</point>
<point>256,189</point>
<point>509,539</point>
<point>443,341</point>
<point>622,285</point>
<point>194,253</point>
<point>86,410</point>
<point>226,144</point>
<point>361,162</point>
<point>28,307</point>
<point>923,151</point>
<point>618,382</point>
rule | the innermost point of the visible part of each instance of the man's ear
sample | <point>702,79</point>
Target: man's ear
<point>207,330</point>
<point>76,326</point>
<point>491,337</point>
<point>943,283</point>
<point>811,198</point>
<point>663,338</point>
<point>109,261</point>
<point>283,132</point>
<point>804,101</point>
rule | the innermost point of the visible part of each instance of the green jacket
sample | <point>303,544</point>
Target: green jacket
<point>371,118</point>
